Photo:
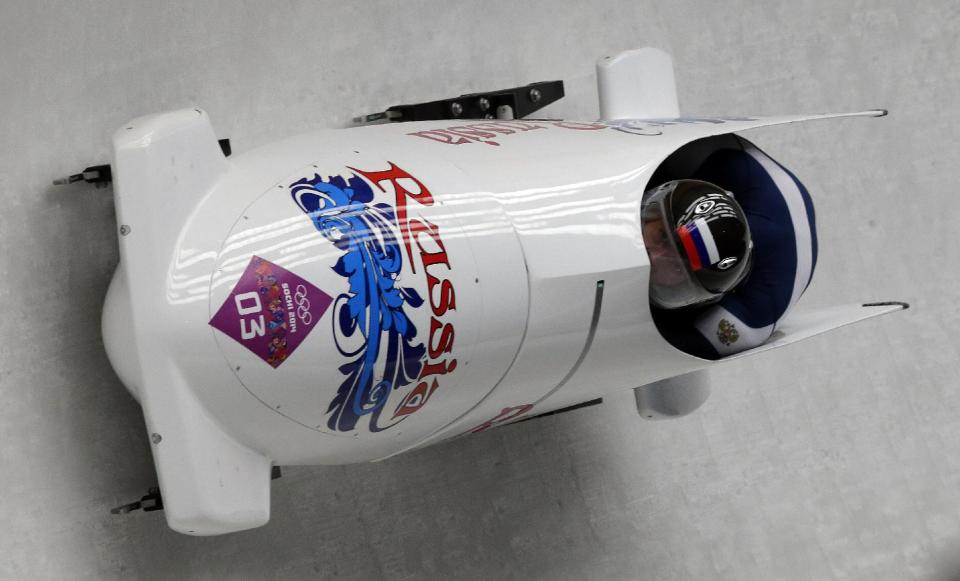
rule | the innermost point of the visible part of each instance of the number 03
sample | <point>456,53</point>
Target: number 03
<point>247,304</point>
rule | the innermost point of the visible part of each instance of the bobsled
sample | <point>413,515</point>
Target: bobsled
<point>350,294</point>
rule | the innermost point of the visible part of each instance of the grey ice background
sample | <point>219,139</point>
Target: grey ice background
<point>836,459</point>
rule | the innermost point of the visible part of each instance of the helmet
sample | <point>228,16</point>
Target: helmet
<point>698,241</point>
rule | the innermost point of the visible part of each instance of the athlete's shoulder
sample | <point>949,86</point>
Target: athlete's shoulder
<point>727,332</point>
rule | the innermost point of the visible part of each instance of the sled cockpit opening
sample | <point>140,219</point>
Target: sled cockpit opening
<point>671,284</point>
<point>683,163</point>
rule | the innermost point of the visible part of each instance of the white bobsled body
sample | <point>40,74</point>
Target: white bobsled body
<point>347,295</point>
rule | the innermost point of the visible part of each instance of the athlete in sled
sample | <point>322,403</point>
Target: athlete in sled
<point>731,249</point>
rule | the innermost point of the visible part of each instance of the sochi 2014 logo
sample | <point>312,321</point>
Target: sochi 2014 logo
<point>270,311</point>
<point>373,218</point>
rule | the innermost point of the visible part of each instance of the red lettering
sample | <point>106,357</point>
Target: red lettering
<point>447,296</point>
<point>495,127</point>
<point>432,251</point>
<point>469,132</point>
<point>424,226</point>
<point>441,135</point>
<point>423,197</point>
<point>416,399</point>
<point>431,258</point>
<point>446,338</point>
<point>521,125</point>
<point>488,131</point>
<point>441,368</point>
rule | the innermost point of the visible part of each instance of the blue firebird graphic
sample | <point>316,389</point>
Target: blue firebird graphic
<point>344,213</point>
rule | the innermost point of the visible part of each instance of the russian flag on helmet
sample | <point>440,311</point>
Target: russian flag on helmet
<point>698,243</point>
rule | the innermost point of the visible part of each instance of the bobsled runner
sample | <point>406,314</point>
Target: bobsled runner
<point>347,295</point>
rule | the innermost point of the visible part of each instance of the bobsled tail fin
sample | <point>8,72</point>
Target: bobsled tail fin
<point>640,85</point>
<point>798,326</point>
<point>164,166</point>
<point>210,483</point>
<point>637,84</point>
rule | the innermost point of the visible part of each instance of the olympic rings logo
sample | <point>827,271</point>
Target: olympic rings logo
<point>303,305</point>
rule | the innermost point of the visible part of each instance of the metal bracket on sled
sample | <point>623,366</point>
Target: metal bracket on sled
<point>98,175</point>
<point>512,103</point>
<point>150,502</point>
<point>101,175</point>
